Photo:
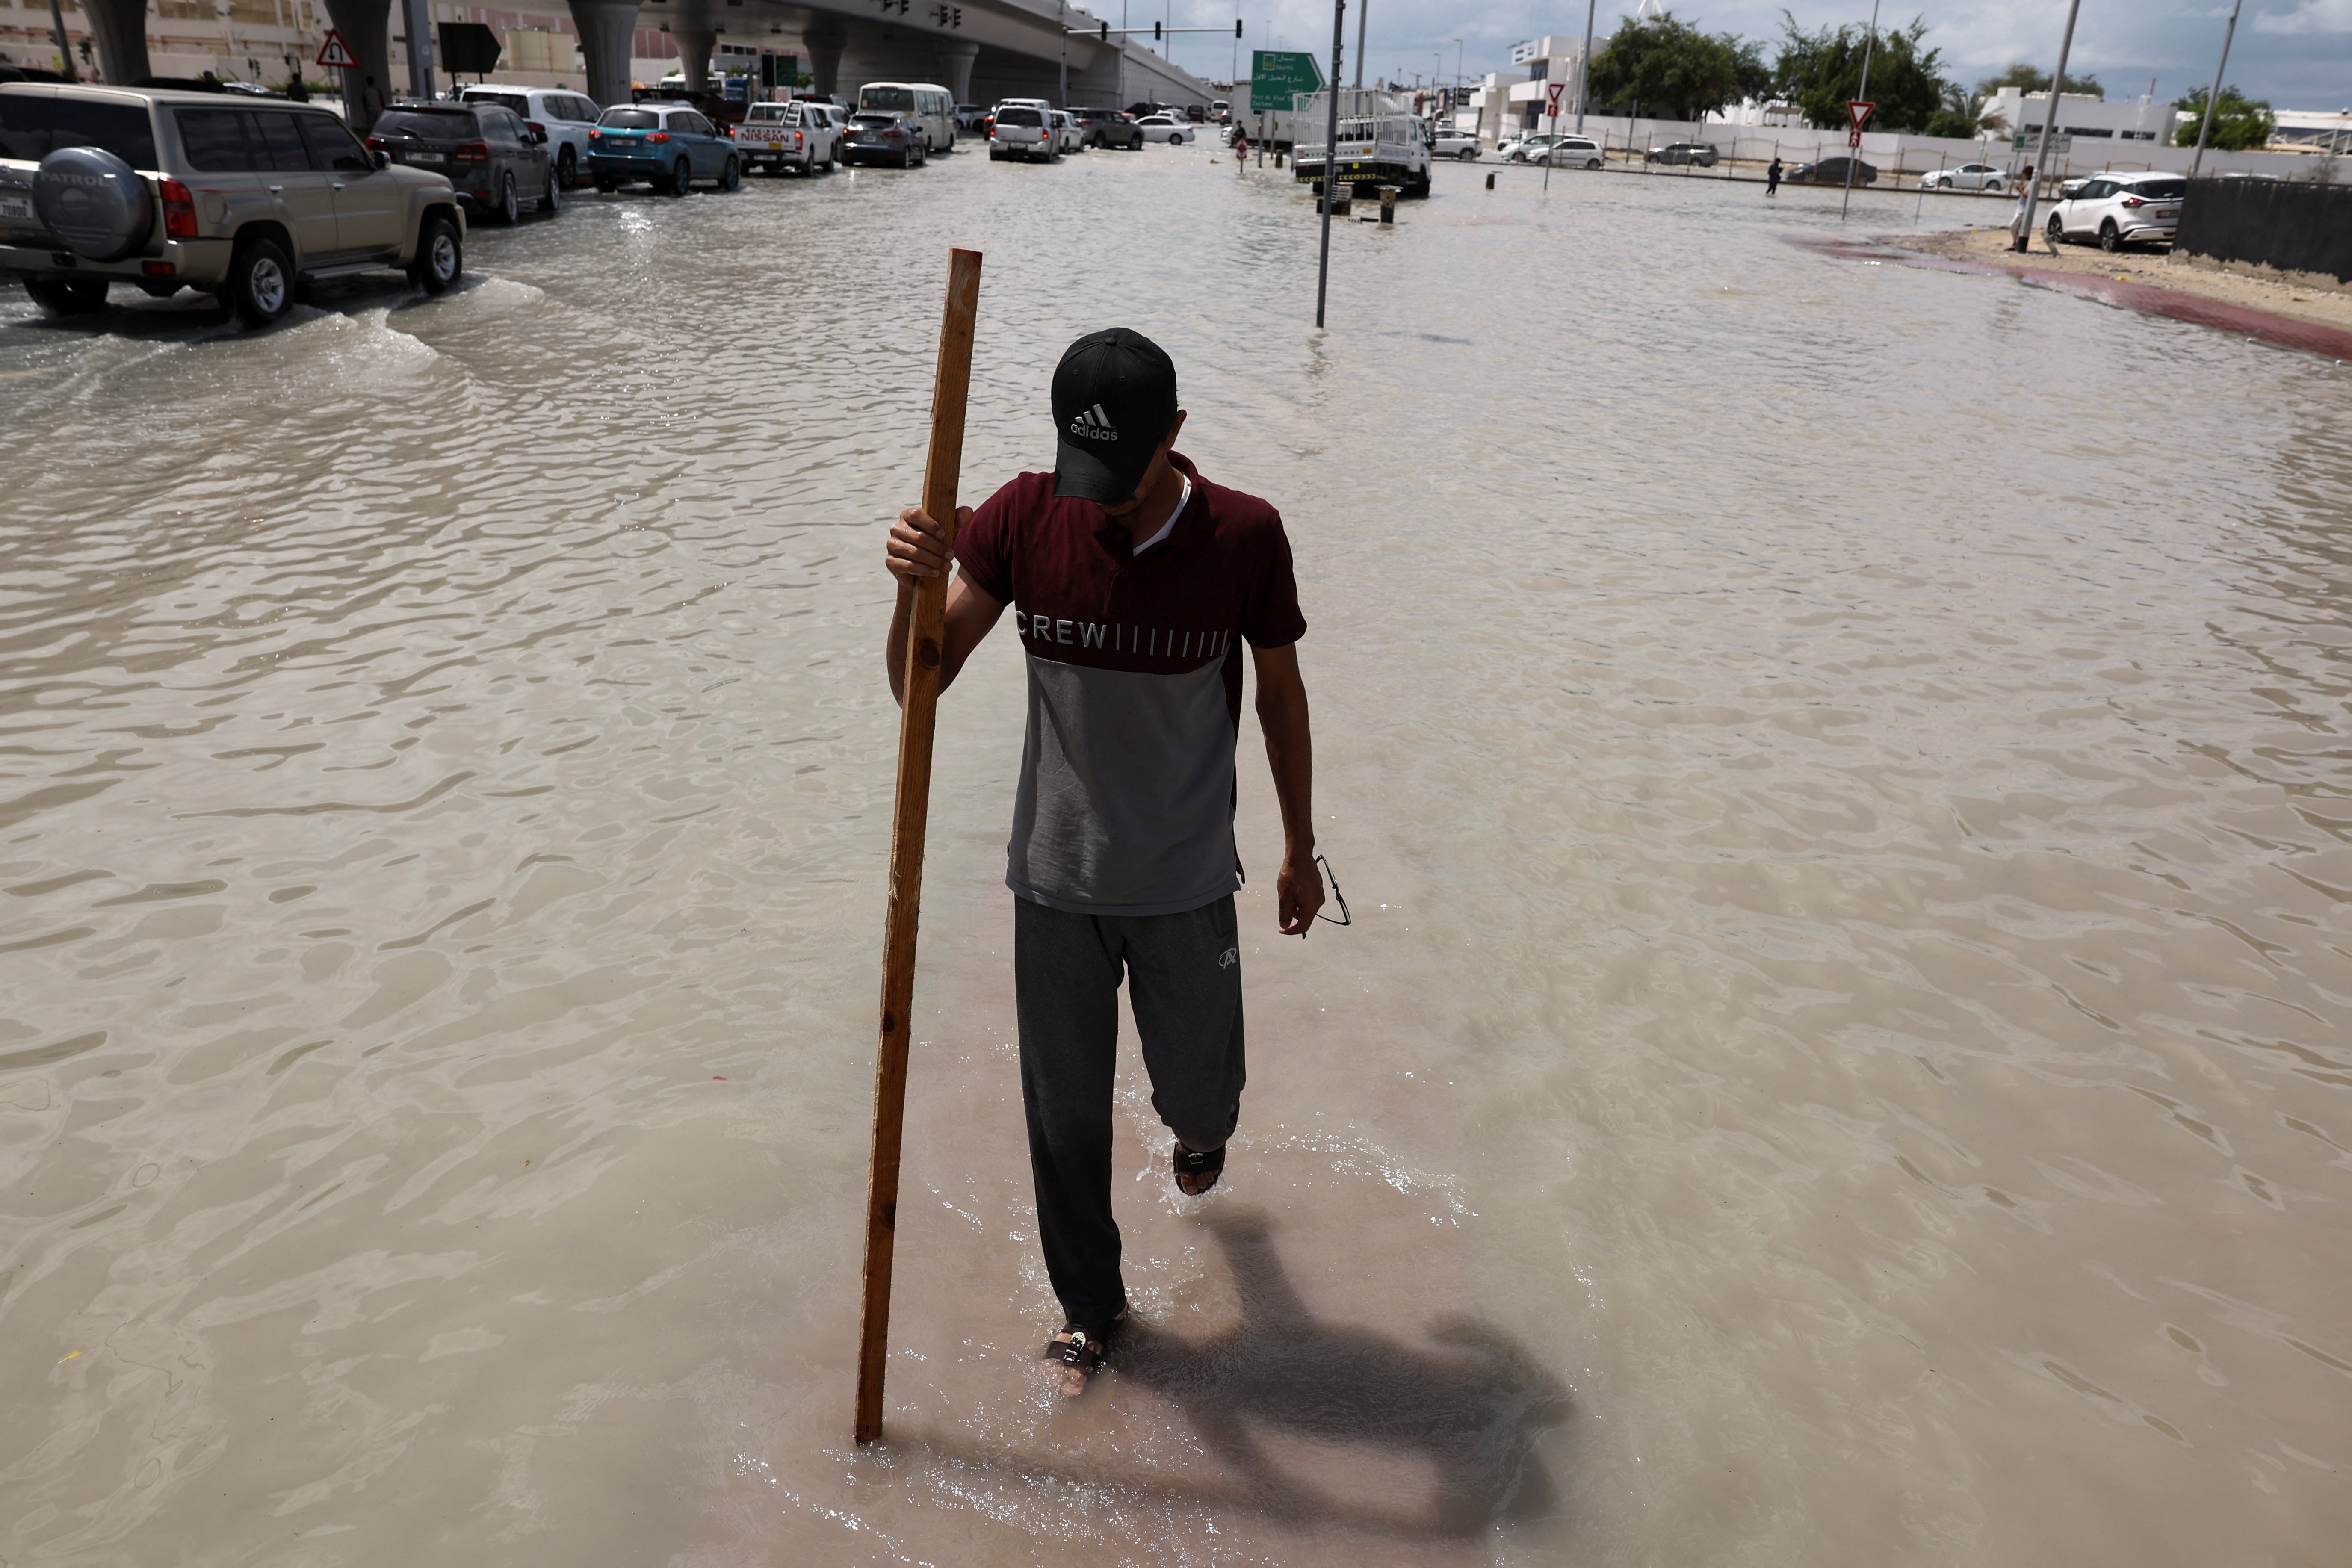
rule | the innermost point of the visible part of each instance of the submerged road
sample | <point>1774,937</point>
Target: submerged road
<point>1838,769</point>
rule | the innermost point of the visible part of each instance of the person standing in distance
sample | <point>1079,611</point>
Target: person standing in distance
<point>1135,584</point>
<point>2017,235</point>
<point>1772,177</point>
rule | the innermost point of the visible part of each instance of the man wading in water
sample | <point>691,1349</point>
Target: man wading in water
<point>1135,582</point>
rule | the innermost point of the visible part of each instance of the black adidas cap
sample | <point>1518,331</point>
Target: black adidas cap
<point>1114,399</point>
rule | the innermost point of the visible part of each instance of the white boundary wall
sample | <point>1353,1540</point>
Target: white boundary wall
<point>1895,154</point>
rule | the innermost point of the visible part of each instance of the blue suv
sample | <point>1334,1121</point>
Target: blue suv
<point>668,145</point>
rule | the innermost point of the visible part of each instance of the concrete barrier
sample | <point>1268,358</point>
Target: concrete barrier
<point>2299,227</point>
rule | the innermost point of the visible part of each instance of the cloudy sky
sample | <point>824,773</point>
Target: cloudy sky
<point>2296,53</point>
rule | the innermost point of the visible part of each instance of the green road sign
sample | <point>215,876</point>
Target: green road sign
<point>1276,76</point>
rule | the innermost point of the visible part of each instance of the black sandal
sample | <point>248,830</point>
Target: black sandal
<point>1194,1163</point>
<point>1080,1350</point>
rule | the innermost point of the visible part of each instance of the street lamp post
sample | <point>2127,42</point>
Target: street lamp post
<point>1853,152</point>
<point>2204,129</point>
<point>1330,155</point>
<point>1584,66</point>
<point>2049,129</point>
<point>65,49</point>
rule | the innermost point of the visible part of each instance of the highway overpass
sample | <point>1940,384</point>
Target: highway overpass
<point>981,50</point>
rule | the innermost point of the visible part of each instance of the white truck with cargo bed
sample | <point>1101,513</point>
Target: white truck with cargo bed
<point>773,137</point>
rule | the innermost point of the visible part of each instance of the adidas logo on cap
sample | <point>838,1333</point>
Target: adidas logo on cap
<point>1093,424</point>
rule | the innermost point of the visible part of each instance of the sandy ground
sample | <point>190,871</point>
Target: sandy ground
<point>2160,268</point>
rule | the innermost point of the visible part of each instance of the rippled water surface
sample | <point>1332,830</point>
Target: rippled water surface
<point>1841,774</point>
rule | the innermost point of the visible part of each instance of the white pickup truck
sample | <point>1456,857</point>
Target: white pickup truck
<point>779,136</point>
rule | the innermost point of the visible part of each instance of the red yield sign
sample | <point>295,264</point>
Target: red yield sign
<point>1552,94</point>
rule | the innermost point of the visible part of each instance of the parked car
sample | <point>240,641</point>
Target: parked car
<point>779,136</point>
<point>1170,128</point>
<point>835,115</point>
<point>493,160</point>
<point>1830,172</point>
<point>1450,142</point>
<point>886,137</point>
<point>1022,130</point>
<point>99,186</point>
<point>1067,137</point>
<point>968,116</point>
<point>1107,128</point>
<point>1567,152</point>
<point>2121,210</point>
<point>1198,113</point>
<point>1702,153</point>
<point>566,117</point>
<point>1523,147</point>
<point>1966,177</point>
<point>668,145</point>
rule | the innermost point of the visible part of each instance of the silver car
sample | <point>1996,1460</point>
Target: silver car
<point>1170,128</point>
<point>1966,177</point>
<point>1703,153</point>
<point>240,198</point>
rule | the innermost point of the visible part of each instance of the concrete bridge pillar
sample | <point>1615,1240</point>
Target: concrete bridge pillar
<point>121,28</point>
<point>366,32</point>
<point>956,55</point>
<point>826,37</point>
<point>608,32</point>
<point>693,47</point>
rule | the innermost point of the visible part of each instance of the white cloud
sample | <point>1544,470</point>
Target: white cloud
<point>2310,17</point>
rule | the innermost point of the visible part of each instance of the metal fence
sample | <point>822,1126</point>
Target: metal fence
<point>1906,158</point>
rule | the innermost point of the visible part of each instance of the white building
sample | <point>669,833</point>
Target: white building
<point>2312,131</point>
<point>1508,102</point>
<point>2084,119</point>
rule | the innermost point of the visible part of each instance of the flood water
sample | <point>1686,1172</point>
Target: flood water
<point>1840,772</point>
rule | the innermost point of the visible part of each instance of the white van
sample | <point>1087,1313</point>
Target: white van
<point>927,105</point>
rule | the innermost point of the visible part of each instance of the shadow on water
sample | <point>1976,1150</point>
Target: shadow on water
<point>1471,1403</point>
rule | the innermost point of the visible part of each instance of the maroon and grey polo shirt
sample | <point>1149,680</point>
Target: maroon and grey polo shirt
<point>1126,801</point>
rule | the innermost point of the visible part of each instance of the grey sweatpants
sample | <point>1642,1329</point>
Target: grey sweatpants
<point>1184,981</point>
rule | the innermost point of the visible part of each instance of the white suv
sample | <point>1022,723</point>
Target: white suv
<point>2118,210</point>
<point>1566,152</point>
<point>1023,129</point>
<point>1448,141</point>
<point>566,117</point>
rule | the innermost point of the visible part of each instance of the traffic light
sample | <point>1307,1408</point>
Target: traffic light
<point>1155,32</point>
<point>1105,32</point>
<point>1237,27</point>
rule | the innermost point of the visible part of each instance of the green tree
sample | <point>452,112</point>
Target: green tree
<point>1957,116</point>
<point>1820,71</point>
<point>2239,122</point>
<point>1667,64</point>
<point>2026,77</point>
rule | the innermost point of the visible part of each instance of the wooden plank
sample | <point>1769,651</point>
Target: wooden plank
<point>951,388</point>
